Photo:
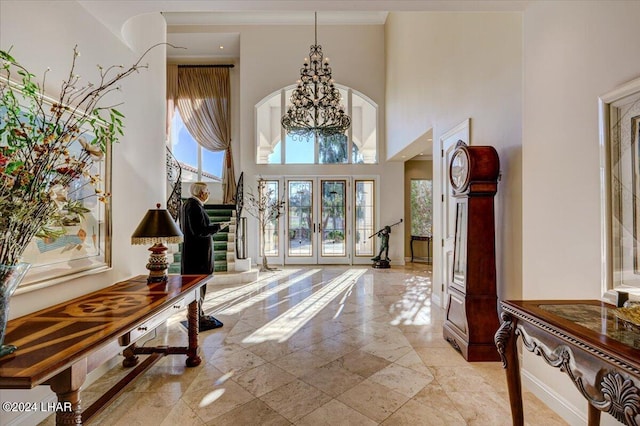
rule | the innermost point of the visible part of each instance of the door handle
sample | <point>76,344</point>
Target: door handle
<point>314,228</point>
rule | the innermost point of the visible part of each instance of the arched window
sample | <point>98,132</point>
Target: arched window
<point>360,145</point>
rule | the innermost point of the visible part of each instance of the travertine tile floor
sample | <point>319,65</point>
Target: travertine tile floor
<point>319,346</point>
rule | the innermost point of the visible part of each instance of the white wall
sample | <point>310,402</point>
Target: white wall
<point>443,68</point>
<point>271,57</point>
<point>574,52</point>
<point>42,34</point>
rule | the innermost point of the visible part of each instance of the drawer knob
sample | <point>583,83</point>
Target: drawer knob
<point>176,306</point>
<point>142,328</point>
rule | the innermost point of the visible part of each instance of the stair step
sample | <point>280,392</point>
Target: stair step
<point>220,236</point>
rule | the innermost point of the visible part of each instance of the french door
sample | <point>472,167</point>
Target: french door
<point>317,221</point>
<point>327,220</point>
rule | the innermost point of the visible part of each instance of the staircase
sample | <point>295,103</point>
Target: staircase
<point>224,242</point>
<point>231,270</point>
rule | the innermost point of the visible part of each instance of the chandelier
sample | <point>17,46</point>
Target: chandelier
<point>315,107</point>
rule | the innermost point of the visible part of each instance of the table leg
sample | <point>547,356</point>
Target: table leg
<point>130,357</point>
<point>593,416</point>
<point>66,385</point>
<point>505,339</point>
<point>193,359</point>
<point>411,245</point>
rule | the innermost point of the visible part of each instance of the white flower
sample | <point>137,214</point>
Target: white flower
<point>58,195</point>
<point>94,151</point>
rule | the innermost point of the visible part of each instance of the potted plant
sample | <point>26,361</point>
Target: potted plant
<point>37,165</point>
<point>267,208</point>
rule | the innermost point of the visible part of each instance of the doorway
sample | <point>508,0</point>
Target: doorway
<point>326,220</point>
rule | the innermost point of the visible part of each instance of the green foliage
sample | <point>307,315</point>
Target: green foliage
<point>37,163</point>
<point>421,207</point>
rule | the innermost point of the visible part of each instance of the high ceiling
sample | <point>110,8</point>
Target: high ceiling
<point>192,24</point>
<point>183,16</point>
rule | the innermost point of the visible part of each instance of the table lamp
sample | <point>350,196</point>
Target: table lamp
<point>157,227</point>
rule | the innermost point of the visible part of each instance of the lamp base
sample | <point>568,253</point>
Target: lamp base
<point>159,279</point>
<point>158,263</point>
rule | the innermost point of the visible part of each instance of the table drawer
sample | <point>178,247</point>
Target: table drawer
<point>157,320</point>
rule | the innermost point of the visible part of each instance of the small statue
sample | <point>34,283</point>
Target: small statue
<point>378,261</point>
<point>384,244</point>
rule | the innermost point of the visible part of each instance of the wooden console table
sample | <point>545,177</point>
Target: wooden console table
<point>583,338</point>
<point>58,346</point>
<point>421,238</point>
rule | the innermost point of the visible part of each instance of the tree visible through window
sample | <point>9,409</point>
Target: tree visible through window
<point>361,148</point>
<point>421,207</point>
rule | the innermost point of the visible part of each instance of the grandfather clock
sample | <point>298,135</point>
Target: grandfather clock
<point>472,317</point>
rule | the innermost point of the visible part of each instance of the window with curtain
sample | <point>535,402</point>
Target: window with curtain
<point>199,123</point>
<point>359,146</point>
<point>198,163</point>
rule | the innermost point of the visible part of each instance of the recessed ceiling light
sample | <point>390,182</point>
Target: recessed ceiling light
<point>221,47</point>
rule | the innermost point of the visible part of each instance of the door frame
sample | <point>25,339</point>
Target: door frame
<point>316,257</point>
<point>350,201</point>
<point>443,245</point>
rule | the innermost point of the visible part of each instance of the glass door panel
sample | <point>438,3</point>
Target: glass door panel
<point>364,218</point>
<point>300,220</point>
<point>334,214</point>
<point>272,228</point>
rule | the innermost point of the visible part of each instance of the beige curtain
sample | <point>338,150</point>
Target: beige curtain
<point>203,95</point>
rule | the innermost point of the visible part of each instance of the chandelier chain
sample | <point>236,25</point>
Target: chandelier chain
<point>316,107</point>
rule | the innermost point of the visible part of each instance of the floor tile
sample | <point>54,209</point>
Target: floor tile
<point>263,379</point>
<point>371,355</point>
<point>295,400</point>
<point>332,379</point>
<point>372,399</point>
<point>402,379</point>
<point>335,413</point>
<point>254,412</point>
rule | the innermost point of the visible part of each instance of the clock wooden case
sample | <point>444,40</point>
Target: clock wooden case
<point>472,316</point>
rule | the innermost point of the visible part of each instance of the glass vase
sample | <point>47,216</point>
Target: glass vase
<point>10,277</point>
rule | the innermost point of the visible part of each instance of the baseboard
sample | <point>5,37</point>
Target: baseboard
<point>570,413</point>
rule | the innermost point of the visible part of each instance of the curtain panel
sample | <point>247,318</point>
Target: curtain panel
<point>203,97</point>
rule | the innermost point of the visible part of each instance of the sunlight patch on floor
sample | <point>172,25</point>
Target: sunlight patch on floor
<point>241,306</point>
<point>226,295</point>
<point>287,324</point>
<point>414,308</point>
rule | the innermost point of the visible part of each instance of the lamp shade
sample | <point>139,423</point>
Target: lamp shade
<point>157,226</point>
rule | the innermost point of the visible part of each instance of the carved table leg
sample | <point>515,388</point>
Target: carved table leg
<point>593,416</point>
<point>130,357</point>
<point>67,386</point>
<point>193,359</point>
<point>505,339</point>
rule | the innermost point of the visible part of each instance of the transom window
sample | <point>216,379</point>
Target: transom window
<point>359,145</point>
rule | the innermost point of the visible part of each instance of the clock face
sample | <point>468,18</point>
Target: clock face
<point>459,170</point>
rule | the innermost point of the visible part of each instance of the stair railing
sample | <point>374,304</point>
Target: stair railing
<point>174,185</point>
<point>241,222</point>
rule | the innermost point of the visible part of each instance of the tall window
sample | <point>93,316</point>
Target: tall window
<point>359,145</point>
<point>364,220</point>
<point>271,248</point>
<point>421,207</point>
<point>198,164</point>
